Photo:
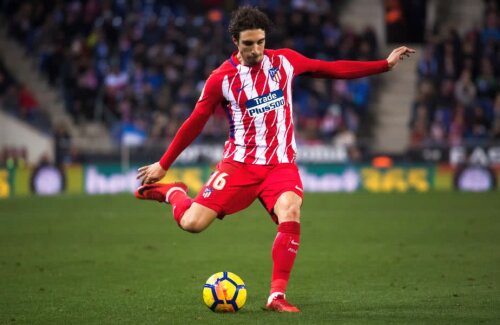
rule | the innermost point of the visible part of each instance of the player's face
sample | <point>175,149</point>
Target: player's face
<point>251,46</point>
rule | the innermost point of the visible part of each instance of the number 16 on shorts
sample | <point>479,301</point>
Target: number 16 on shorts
<point>217,181</point>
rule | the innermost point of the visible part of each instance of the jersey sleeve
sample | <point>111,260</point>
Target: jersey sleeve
<point>342,69</point>
<point>210,98</point>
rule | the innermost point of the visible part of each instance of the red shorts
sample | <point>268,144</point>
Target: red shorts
<point>234,186</point>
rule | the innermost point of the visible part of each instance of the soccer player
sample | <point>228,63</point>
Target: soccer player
<point>255,87</point>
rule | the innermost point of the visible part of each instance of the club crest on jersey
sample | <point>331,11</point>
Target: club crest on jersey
<point>275,75</point>
<point>207,192</point>
<point>265,103</point>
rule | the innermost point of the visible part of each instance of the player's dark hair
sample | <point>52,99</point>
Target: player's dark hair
<point>247,17</point>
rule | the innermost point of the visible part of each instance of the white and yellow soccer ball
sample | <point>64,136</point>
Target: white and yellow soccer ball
<point>224,292</point>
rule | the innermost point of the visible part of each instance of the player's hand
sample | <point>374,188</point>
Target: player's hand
<point>399,54</point>
<point>151,173</point>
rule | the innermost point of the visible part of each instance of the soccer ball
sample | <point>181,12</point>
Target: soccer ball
<point>224,292</point>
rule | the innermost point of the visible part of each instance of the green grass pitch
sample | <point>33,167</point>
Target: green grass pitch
<point>389,258</point>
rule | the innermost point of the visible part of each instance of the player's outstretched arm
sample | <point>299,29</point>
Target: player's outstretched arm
<point>398,55</point>
<point>151,173</point>
<point>345,69</point>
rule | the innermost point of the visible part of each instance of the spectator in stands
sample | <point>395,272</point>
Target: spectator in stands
<point>62,143</point>
<point>419,127</point>
<point>86,91</point>
<point>28,104</point>
<point>115,83</point>
<point>331,122</point>
<point>491,30</point>
<point>425,101</point>
<point>487,83</point>
<point>479,126</point>
<point>437,132</point>
<point>446,98</point>
<point>465,90</point>
<point>427,66</point>
<point>457,127</point>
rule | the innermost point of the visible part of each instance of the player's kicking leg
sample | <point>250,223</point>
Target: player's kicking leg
<point>192,217</point>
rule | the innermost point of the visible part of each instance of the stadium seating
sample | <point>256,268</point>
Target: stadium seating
<point>458,93</point>
<point>140,67</point>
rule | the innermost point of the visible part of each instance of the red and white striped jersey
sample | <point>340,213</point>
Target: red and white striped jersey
<point>258,102</point>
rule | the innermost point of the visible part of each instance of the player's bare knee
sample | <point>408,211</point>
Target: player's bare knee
<point>288,207</point>
<point>293,213</point>
<point>191,225</point>
<point>289,212</point>
<point>197,218</point>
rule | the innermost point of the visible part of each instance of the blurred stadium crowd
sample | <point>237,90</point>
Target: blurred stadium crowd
<point>458,95</point>
<point>140,65</point>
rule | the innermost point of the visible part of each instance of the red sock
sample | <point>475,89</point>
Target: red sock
<point>285,249</point>
<point>180,203</point>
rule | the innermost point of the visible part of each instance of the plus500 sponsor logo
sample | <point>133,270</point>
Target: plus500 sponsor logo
<point>265,103</point>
